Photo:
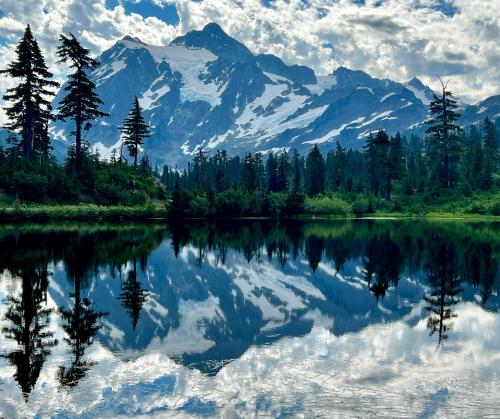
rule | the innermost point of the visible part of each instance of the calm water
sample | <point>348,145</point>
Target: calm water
<point>340,319</point>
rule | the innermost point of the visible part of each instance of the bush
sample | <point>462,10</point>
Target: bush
<point>199,206</point>
<point>294,203</point>
<point>29,186</point>
<point>495,209</point>
<point>328,205</point>
<point>475,208</point>
<point>232,203</point>
<point>360,206</point>
<point>275,203</point>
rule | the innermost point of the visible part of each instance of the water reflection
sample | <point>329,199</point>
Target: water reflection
<point>204,294</point>
<point>27,320</point>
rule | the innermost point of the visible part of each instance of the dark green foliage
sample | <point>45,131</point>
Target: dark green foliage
<point>134,130</point>
<point>315,173</point>
<point>30,107</point>
<point>490,157</point>
<point>81,102</point>
<point>443,142</point>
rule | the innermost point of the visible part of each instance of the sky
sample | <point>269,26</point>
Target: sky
<point>396,39</point>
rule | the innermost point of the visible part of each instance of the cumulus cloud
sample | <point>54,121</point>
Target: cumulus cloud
<point>396,39</point>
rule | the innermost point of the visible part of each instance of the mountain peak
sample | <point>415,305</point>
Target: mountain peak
<point>213,38</point>
<point>131,38</point>
<point>416,82</point>
<point>214,28</point>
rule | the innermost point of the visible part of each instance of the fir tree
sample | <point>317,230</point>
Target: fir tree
<point>395,163</point>
<point>41,143</point>
<point>30,97</point>
<point>315,172</point>
<point>296,172</point>
<point>81,102</point>
<point>282,171</point>
<point>133,296</point>
<point>490,145</point>
<point>145,166</point>
<point>443,142</point>
<point>272,173</point>
<point>134,130</point>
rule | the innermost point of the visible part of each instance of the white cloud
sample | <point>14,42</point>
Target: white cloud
<point>391,39</point>
<point>396,39</point>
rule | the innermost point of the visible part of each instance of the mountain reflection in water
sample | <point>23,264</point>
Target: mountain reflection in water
<point>250,318</point>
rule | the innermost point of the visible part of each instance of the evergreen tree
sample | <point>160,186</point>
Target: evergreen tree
<point>282,171</point>
<point>27,324</point>
<point>145,166</point>
<point>443,142</point>
<point>395,163</point>
<point>134,130</point>
<point>133,296</point>
<point>372,164</point>
<point>272,173</point>
<point>248,173</point>
<point>296,172</point>
<point>490,145</point>
<point>30,97</point>
<point>41,143</point>
<point>200,169</point>
<point>81,102</point>
<point>260,173</point>
<point>315,172</point>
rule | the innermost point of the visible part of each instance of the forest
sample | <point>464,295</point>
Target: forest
<point>449,170</point>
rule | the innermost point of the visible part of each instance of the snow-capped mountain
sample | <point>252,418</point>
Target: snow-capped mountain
<point>206,88</point>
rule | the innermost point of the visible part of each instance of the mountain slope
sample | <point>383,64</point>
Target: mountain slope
<point>206,88</point>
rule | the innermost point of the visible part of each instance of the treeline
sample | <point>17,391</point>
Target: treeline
<point>28,169</point>
<point>390,173</point>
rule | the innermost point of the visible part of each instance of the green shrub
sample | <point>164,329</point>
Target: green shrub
<point>475,208</point>
<point>328,205</point>
<point>199,206</point>
<point>360,206</point>
<point>275,203</point>
<point>29,186</point>
<point>294,204</point>
<point>232,203</point>
<point>495,209</point>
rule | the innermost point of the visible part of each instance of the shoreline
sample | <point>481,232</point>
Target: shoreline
<point>157,212</point>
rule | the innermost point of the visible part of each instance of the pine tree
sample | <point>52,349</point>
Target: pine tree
<point>490,145</point>
<point>199,168</point>
<point>315,172</point>
<point>134,130</point>
<point>443,142</point>
<point>296,172</point>
<point>41,142</point>
<point>282,171</point>
<point>395,162</point>
<point>272,173</point>
<point>372,164</point>
<point>30,98</point>
<point>81,101</point>
<point>248,173</point>
<point>145,166</point>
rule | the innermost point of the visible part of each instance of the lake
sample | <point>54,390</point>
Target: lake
<point>251,318</point>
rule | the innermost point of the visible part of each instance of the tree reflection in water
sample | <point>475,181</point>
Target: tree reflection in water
<point>28,319</point>
<point>133,296</point>
<point>442,275</point>
<point>441,258</point>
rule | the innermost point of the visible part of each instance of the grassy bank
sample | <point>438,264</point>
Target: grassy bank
<point>333,206</point>
<point>81,212</point>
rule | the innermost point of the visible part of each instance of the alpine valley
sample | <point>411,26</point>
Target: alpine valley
<point>208,89</point>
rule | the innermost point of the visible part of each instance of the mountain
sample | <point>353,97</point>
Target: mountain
<point>207,88</point>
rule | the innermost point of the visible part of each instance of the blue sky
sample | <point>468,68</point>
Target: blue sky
<point>396,39</point>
